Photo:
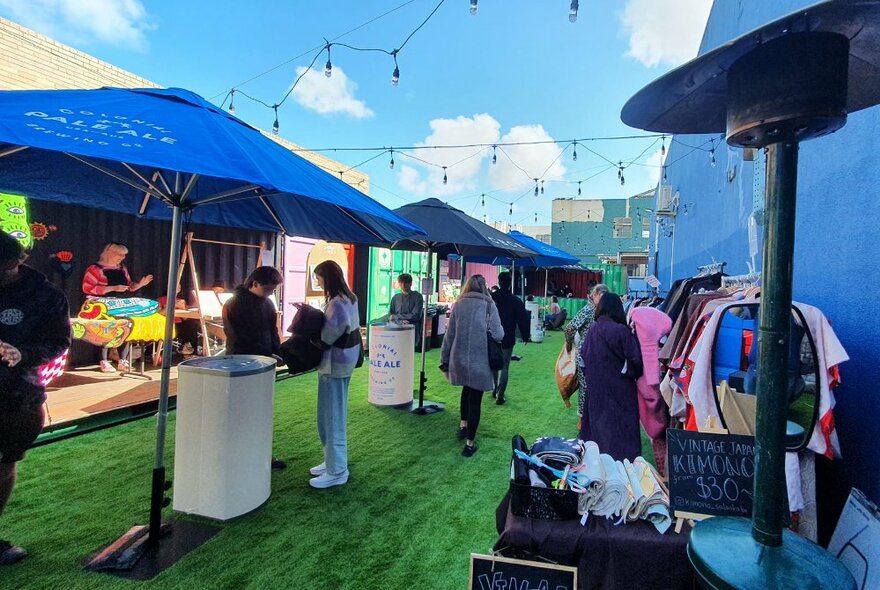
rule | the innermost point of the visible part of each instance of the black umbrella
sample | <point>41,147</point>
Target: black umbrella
<point>451,231</point>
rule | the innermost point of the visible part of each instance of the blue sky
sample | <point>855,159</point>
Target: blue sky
<point>517,71</point>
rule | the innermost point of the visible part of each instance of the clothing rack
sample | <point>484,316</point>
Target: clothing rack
<point>708,269</point>
<point>749,280</point>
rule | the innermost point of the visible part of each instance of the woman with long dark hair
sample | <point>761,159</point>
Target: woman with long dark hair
<point>612,363</point>
<point>465,357</point>
<point>340,340</point>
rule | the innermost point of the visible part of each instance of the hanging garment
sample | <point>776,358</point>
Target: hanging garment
<point>650,326</point>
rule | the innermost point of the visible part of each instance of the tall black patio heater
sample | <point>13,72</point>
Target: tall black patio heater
<point>790,80</point>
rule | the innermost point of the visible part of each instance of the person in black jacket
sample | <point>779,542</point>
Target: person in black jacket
<point>513,313</point>
<point>249,318</point>
<point>34,329</point>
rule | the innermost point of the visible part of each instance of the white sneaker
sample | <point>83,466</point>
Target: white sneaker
<point>328,481</point>
<point>319,469</point>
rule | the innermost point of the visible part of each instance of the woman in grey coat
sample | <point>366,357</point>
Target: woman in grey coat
<point>465,357</point>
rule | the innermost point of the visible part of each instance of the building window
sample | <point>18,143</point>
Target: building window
<point>543,238</point>
<point>646,228</point>
<point>623,228</point>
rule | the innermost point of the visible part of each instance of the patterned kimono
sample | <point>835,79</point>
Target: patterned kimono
<point>575,333</point>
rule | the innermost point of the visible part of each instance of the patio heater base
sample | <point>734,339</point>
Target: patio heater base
<point>725,555</point>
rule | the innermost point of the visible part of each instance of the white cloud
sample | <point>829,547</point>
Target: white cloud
<point>463,164</point>
<point>117,22</point>
<point>526,162</point>
<point>329,96</point>
<point>664,32</point>
<point>648,175</point>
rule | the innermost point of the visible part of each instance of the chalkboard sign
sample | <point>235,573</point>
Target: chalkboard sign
<point>710,473</point>
<point>503,573</point>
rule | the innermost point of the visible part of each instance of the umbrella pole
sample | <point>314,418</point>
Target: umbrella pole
<point>546,276</point>
<point>429,407</point>
<point>157,497</point>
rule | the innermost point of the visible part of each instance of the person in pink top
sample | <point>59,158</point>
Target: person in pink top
<point>651,325</point>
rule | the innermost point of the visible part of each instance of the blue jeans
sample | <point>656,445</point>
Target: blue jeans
<point>332,419</point>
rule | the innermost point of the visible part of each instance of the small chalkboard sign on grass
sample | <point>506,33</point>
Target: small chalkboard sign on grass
<point>503,573</point>
<point>710,474</point>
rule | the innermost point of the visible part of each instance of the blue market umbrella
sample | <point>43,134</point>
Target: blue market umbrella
<point>548,256</point>
<point>165,153</point>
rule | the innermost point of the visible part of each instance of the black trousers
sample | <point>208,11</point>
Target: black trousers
<point>470,410</point>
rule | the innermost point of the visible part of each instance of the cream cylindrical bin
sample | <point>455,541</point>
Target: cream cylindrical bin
<point>392,364</point>
<point>223,445</point>
<point>533,308</point>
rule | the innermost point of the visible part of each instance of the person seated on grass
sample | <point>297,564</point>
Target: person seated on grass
<point>554,312</point>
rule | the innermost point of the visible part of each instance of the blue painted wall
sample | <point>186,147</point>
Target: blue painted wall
<point>837,256</point>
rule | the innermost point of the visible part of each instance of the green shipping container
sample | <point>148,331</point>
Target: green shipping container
<point>385,266</point>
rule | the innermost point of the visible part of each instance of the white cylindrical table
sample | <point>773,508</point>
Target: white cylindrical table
<point>223,440</point>
<point>533,308</point>
<point>392,364</point>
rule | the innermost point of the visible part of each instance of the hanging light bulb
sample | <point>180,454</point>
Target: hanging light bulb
<point>712,157</point>
<point>536,187</point>
<point>510,212</point>
<point>494,155</point>
<point>395,76</point>
<point>232,101</point>
<point>662,145</point>
<point>328,69</point>
<point>665,178</point>
<point>275,126</point>
<point>483,200</point>
<point>391,163</point>
<point>574,154</point>
<point>619,170</point>
<point>542,187</point>
<point>579,188</point>
<point>445,179</point>
<point>622,179</point>
<point>536,217</point>
<point>484,218</point>
<point>573,12</point>
<point>474,7</point>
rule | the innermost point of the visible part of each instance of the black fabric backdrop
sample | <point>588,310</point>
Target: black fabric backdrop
<point>626,557</point>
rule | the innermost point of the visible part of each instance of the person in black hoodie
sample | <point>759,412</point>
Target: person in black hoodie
<point>513,313</point>
<point>249,320</point>
<point>34,329</point>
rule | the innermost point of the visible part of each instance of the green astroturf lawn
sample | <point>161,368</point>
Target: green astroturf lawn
<point>411,514</point>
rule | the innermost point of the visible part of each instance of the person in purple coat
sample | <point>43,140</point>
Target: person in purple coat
<point>612,363</point>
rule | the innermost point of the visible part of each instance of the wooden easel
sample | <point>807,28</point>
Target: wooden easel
<point>187,256</point>
<point>680,516</point>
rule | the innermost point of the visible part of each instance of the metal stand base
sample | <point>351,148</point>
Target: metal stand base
<point>725,555</point>
<point>426,408</point>
<point>133,556</point>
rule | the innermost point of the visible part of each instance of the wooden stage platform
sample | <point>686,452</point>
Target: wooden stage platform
<point>84,392</point>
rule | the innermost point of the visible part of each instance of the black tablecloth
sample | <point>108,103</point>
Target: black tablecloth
<point>628,556</point>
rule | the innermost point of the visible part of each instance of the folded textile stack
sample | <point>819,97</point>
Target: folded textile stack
<point>558,452</point>
<point>592,477</point>
<point>617,497</point>
<point>651,498</point>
